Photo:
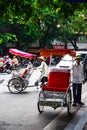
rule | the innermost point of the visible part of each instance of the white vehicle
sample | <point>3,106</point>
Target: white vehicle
<point>81,52</point>
<point>66,62</point>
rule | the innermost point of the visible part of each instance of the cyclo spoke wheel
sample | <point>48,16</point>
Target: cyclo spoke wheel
<point>23,88</point>
<point>40,107</point>
<point>69,102</point>
<point>15,85</point>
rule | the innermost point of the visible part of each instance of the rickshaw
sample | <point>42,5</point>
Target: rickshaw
<point>57,91</point>
<point>20,81</point>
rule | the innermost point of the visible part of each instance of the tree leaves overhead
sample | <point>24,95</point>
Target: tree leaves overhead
<point>23,10</point>
<point>15,8</point>
<point>40,19</point>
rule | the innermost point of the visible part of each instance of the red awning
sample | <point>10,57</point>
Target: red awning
<point>60,52</point>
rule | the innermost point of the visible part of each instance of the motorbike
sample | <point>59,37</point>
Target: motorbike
<point>5,70</point>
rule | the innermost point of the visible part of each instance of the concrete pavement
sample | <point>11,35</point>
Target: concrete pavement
<point>79,120</point>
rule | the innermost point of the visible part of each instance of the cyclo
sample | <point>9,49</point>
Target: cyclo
<point>57,91</point>
<point>20,81</point>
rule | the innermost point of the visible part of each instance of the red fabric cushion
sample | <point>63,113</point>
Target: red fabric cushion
<point>54,88</point>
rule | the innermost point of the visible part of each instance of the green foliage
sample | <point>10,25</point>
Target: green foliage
<point>7,37</point>
<point>28,21</point>
<point>29,34</point>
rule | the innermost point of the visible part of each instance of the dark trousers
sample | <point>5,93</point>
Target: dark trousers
<point>44,79</point>
<point>77,90</point>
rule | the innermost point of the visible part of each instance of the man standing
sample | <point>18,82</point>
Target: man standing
<point>77,80</point>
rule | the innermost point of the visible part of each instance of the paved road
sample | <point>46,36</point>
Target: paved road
<point>19,111</point>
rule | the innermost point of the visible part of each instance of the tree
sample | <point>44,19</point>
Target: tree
<point>43,20</point>
<point>73,27</point>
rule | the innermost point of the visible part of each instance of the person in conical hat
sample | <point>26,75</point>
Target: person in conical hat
<point>41,57</point>
<point>44,69</point>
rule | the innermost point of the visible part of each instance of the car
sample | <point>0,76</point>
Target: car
<point>65,62</point>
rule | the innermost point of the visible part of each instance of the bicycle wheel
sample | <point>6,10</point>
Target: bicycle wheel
<point>15,85</point>
<point>69,102</point>
<point>39,105</point>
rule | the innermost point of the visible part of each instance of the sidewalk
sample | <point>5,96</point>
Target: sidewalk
<point>79,122</point>
<point>80,118</point>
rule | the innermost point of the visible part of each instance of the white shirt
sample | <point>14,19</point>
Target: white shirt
<point>44,68</point>
<point>77,73</point>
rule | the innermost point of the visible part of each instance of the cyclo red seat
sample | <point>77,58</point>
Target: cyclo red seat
<point>58,80</point>
<point>23,73</point>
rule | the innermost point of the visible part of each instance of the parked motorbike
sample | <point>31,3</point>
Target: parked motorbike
<point>5,70</point>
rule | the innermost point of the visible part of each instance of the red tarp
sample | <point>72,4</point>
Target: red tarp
<point>21,53</point>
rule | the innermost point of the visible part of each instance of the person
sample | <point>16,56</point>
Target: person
<point>1,65</point>
<point>7,62</point>
<point>14,61</point>
<point>44,69</point>
<point>77,80</point>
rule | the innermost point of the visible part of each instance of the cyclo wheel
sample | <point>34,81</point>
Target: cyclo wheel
<point>39,106</point>
<point>69,98</point>
<point>15,85</point>
<point>23,84</point>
